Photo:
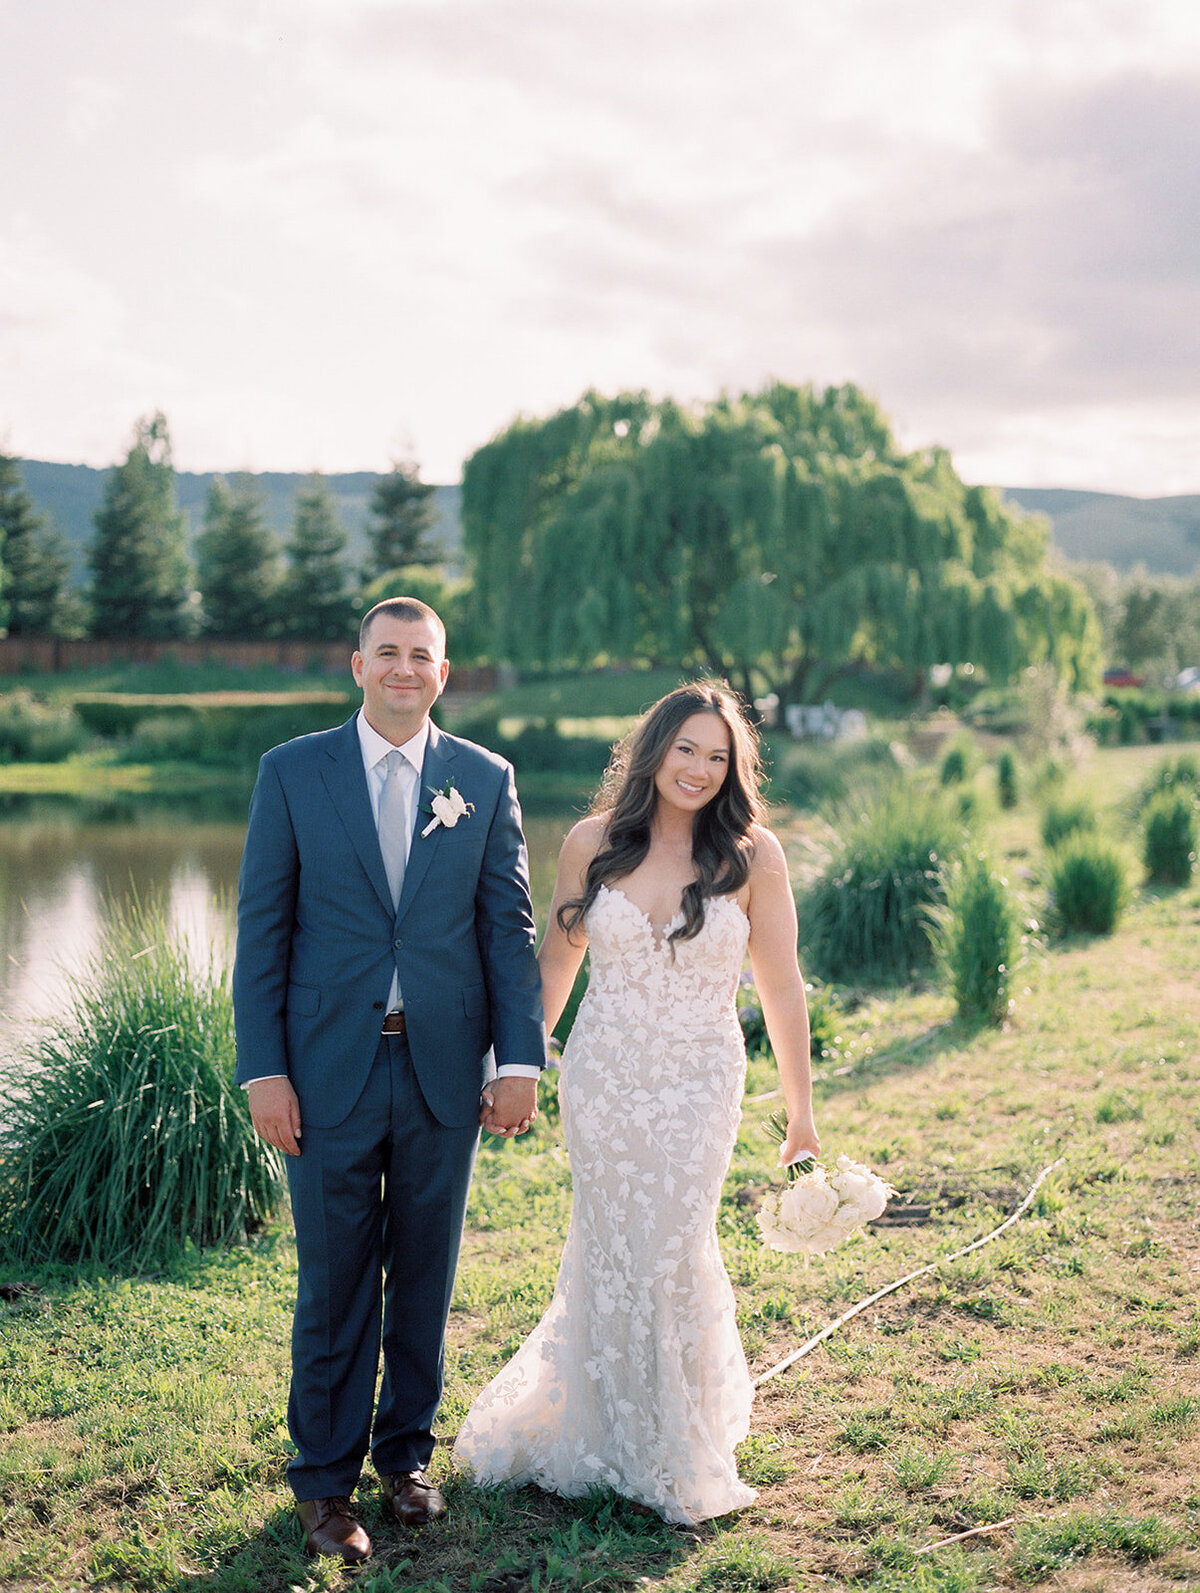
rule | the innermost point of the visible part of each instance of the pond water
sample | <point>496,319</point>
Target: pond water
<point>65,865</point>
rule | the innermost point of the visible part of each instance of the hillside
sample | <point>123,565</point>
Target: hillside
<point>1162,533</point>
<point>69,495</point>
<point>1104,528</point>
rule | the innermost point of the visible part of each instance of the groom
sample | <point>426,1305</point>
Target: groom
<point>385,950</point>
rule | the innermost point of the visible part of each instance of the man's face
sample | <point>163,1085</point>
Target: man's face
<point>402,674</point>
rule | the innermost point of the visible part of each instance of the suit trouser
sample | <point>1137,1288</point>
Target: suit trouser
<point>378,1205</point>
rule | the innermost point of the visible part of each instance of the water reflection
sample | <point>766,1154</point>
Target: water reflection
<point>64,866</point>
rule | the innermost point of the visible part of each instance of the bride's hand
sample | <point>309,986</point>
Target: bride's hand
<point>800,1144</point>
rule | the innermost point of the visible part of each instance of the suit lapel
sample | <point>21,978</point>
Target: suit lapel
<point>346,781</point>
<point>439,758</point>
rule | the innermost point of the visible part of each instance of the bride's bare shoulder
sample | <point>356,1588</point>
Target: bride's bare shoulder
<point>768,857</point>
<point>584,840</point>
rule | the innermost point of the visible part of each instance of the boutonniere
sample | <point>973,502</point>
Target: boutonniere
<point>447,807</point>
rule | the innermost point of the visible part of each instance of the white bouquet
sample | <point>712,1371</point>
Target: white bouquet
<point>817,1209</point>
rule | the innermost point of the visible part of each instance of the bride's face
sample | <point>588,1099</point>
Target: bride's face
<point>696,764</point>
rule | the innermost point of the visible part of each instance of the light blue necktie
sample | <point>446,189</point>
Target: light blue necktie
<point>395,821</point>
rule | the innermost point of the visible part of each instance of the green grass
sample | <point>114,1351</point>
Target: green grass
<point>1053,1376</point>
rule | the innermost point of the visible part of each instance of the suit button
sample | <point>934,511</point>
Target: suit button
<point>377,1006</point>
<point>397,943</point>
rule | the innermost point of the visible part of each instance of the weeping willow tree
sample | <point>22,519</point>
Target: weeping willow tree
<point>779,539</point>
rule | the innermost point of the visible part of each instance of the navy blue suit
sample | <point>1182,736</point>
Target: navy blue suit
<point>389,1123</point>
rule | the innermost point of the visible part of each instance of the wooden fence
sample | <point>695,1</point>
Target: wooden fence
<point>47,655</point>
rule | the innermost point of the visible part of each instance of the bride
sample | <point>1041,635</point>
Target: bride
<point>635,1378</point>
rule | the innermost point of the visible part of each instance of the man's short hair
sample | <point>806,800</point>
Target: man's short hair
<point>401,608</point>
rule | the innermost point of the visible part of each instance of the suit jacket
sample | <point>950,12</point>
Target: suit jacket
<point>318,939</point>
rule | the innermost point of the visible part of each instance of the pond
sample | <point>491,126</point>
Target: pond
<point>65,865</point>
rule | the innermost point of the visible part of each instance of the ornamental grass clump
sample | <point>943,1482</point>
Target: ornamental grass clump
<point>1169,837</point>
<point>978,941</point>
<point>1065,816</point>
<point>959,762</point>
<point>867,917</point>
<point>1007,785</point>
<point>123,1136</point>
<point>1088,885</point>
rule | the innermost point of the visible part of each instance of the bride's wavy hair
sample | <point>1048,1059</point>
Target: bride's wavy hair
<point>722,844</point>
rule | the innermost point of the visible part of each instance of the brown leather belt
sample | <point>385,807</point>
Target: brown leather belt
<point>394,1023</point>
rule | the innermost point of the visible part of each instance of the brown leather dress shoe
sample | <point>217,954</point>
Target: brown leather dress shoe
<point>412,1498</point>
<point>331,1527</point>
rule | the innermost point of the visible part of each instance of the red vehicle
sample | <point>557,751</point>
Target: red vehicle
<point>1123,677</point>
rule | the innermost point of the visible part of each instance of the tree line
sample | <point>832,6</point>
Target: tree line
<point>240,580</point>
<point>779,538</point>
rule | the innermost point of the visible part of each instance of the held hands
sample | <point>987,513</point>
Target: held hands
<point>508,1106</point>
<point>275,1113</point>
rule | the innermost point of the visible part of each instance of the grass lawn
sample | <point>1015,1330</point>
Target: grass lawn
<point>1046,1388</point>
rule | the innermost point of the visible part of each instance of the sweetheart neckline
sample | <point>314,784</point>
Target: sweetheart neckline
<point>660,933</point>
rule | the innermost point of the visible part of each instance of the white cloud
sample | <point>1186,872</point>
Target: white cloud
<point>309,225</point>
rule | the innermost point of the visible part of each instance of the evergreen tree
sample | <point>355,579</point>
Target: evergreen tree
<point>237,563</point>
<point>140,578</point>
<point>401,518</point>
<point>35,562</point>
<point>315,599</point>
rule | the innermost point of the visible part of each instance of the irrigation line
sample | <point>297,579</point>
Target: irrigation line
<point>910,1277</point>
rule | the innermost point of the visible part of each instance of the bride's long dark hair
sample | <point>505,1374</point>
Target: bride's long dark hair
<point>722,843</point>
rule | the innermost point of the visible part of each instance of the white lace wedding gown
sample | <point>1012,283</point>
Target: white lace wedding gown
<point>635,1377</point>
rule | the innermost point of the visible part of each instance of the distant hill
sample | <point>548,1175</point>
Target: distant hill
<point>69,495</point>
<point>1104,528</point>
<point>1161,533</point>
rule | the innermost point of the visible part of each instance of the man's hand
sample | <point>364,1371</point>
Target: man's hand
<point>275,1113</point>
<point>509,1105</point>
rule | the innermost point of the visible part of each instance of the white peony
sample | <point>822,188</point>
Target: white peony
<point>816,1211</point>
<point>860,1190</point>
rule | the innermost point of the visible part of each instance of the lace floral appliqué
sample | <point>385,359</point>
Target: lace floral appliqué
<point>635,1377</point>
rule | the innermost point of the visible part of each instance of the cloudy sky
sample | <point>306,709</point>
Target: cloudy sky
<point>323,233</point>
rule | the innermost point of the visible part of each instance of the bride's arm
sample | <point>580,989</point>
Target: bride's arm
<point>772,914</point>
<point>559,956</point>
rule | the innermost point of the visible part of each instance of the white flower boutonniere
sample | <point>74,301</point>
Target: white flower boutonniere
<point>447,807</point>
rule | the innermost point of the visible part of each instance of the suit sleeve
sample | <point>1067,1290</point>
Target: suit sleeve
<point>266,916</point>
<point>508,938</point>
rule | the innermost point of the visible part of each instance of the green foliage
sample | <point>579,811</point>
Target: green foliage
<point>1007,785</point>
<point>978,941</point>
<point>1088,884</point>
<point>315,602</point>
<point>34,595</point>
<point>811,774</point>
<point>1169,837</point>
<point>237,563</point>
<point>400,519</point>
<point>540,745</point>
<point>959,761</point>
<point>780,537</point>
<point>123,1134</point>
<point>33,730</point>
<point>1066,816</point>
<point>220,729</point>
<point>868,915</point>
<point>140,579</point>
<point>1181,773</point>
<point>1044,1546</point>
